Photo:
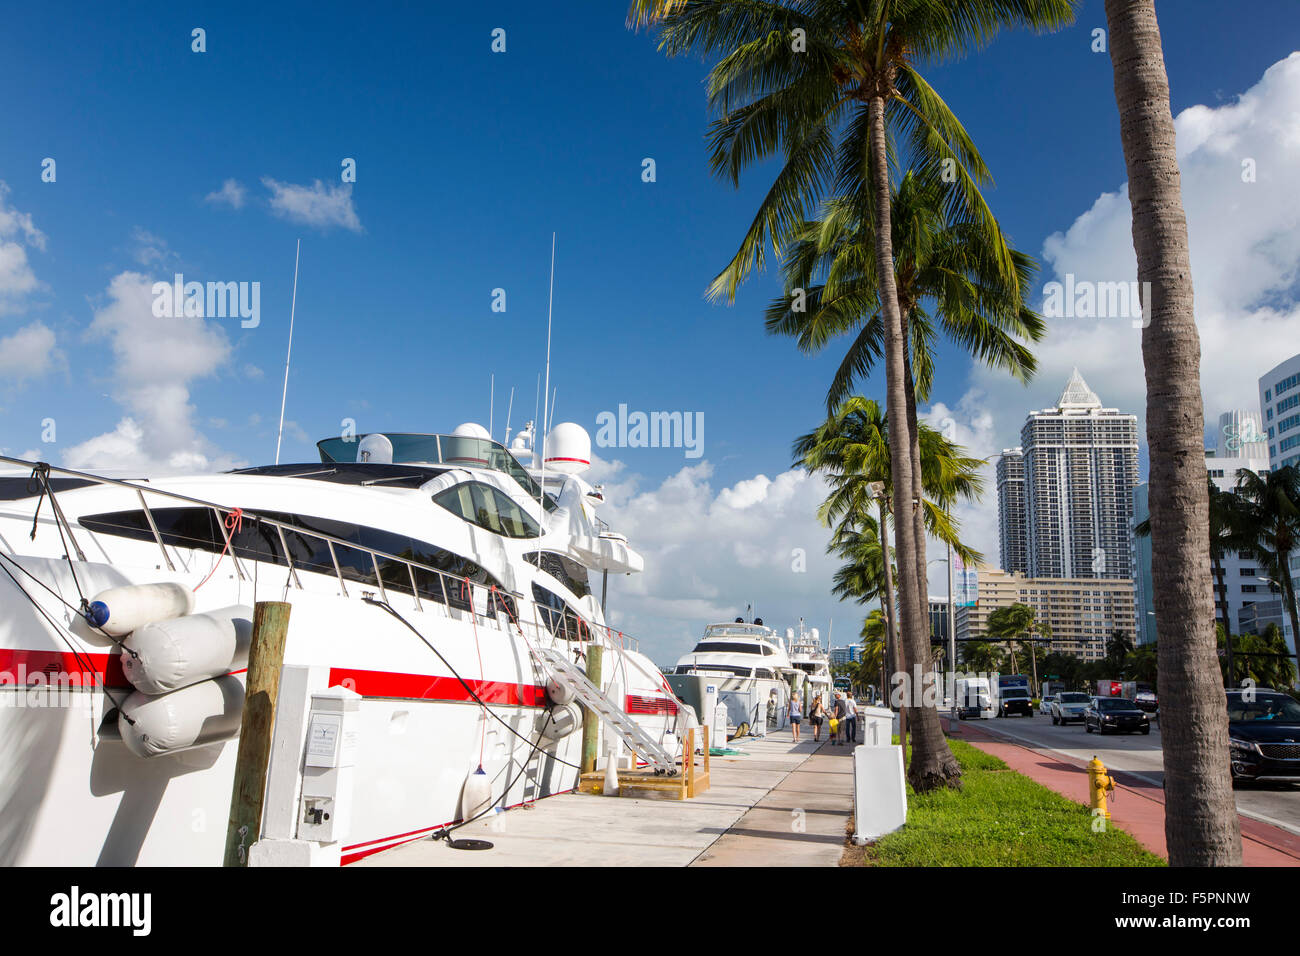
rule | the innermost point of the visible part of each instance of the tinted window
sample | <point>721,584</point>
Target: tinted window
<point>488,508</point>
<point>555,614</point>
<point>1115,703</point>
<point>572,574</point>
<point>726,647</point>
<point>1265,707</point>
<point>197,529</point>
<point>1074,698</point>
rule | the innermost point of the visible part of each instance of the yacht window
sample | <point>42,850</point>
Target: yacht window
<point>726,647</point>
<point>763,672</point>
<point>565,570</point>
<point>727,669</point>
<point>197,529</point>
<point>555,614</point>
<point>488,508</point>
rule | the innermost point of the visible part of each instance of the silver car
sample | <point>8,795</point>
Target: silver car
<point>1069,707</point>
<point>1045,705</point>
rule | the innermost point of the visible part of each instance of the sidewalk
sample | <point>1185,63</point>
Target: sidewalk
<point>781,803</point>
<point>1136,806</point>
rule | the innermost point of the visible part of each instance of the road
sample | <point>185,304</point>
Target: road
<point>1139,755</point>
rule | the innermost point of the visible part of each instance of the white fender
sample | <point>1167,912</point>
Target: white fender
<point>558,693</point>
<point>476,795</point>
<point>558,722</point>
<point>169,655</point>
<point>204,713</point>
<point>119,611</point>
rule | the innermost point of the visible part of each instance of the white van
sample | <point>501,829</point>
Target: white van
<point>975,698</point>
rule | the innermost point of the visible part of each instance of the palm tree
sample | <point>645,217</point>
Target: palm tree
<point>1224,521</point>
<point>1266,526</point>
<point>981,656</point>
<point>852,449</point>
<point>834,85</point>
<point>1017,622</point>
<point>830,290</point>
<point>1201,823</point>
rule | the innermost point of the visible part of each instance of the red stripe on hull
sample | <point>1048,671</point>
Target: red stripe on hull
<point>434,687</point>
<point>90,669</point>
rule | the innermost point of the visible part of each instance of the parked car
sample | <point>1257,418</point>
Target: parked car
<point>1045,705</point>
<point>1015,700</point>
<point>1069,706</point>
<point>1264,735</point>
<point>1115,713</point>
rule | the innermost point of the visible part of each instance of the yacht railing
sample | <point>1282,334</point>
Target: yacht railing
<point>484,602</point>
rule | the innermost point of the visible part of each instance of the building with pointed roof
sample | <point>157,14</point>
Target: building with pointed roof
<point>1078,465</point>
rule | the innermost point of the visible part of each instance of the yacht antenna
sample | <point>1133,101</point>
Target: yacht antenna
<point>492,403</point>
<point>550,298</point>
<point>537,399</point>
<point>554,395</point>
<point>509,408</point>
<point>293,305</point>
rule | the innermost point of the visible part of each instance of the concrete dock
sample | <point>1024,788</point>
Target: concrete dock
<point>781,804</point>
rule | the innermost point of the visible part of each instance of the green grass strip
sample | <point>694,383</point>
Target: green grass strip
<point>1001,818</point>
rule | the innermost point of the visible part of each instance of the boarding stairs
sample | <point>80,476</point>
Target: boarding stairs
<point>568,674</point>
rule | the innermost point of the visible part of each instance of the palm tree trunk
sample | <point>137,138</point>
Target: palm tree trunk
<point>918,514</point>
<point>892,650</point>
<point>932,762</point>
<point>1201,823</point>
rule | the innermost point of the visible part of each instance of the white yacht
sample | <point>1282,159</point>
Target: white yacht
<point>428,573</point>
<point>753,669</point>
<point>807,656</point>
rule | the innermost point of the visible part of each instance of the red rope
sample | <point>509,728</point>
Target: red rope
<point>234,524</point>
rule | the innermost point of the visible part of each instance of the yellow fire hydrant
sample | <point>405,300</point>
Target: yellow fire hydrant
<point>1099,783</point>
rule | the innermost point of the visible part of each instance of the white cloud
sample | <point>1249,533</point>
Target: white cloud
<point>232,193</point>
<point>710,553</point>
<point>28,353</point>
<point>150,250</point>
<point>1245,250</point>
<point>315,205</point>
<point>18,233</point>
<point>156,361</point>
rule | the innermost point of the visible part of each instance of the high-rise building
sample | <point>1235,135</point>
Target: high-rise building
<point>1080,466</point>
<point>1082,612</point>
<point>1011,511</point>
<point>1250,601</point>
<point>1279,397</point>
<point>939,620</point>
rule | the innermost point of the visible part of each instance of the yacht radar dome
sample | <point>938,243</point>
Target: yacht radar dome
<point>471,430</point>
<point>376,449</point>
<point>568,449</point>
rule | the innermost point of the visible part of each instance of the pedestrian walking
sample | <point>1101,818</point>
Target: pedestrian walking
<point>817,714</point>
<point>796,714</point>
<point>840,712</point>
<point>852,718</point>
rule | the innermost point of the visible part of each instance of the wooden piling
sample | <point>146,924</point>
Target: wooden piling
<point>265,660</point>
<point>590,719</point>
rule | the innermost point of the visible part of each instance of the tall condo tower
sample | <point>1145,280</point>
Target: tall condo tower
<point>1080,465</point>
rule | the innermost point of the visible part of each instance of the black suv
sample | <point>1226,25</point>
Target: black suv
<point>1115,713</point>
<point>1264,732</point>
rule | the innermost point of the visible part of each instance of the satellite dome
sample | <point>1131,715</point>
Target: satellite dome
<point>471,430</point>
<point>375,448</point>
<point>568,449</point>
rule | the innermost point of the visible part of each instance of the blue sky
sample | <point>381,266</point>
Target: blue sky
<point>467,160</point>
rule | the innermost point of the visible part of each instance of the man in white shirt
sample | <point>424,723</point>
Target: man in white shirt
<point>851,719</point>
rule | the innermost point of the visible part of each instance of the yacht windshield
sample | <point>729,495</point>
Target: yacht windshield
<point>451,450</point>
